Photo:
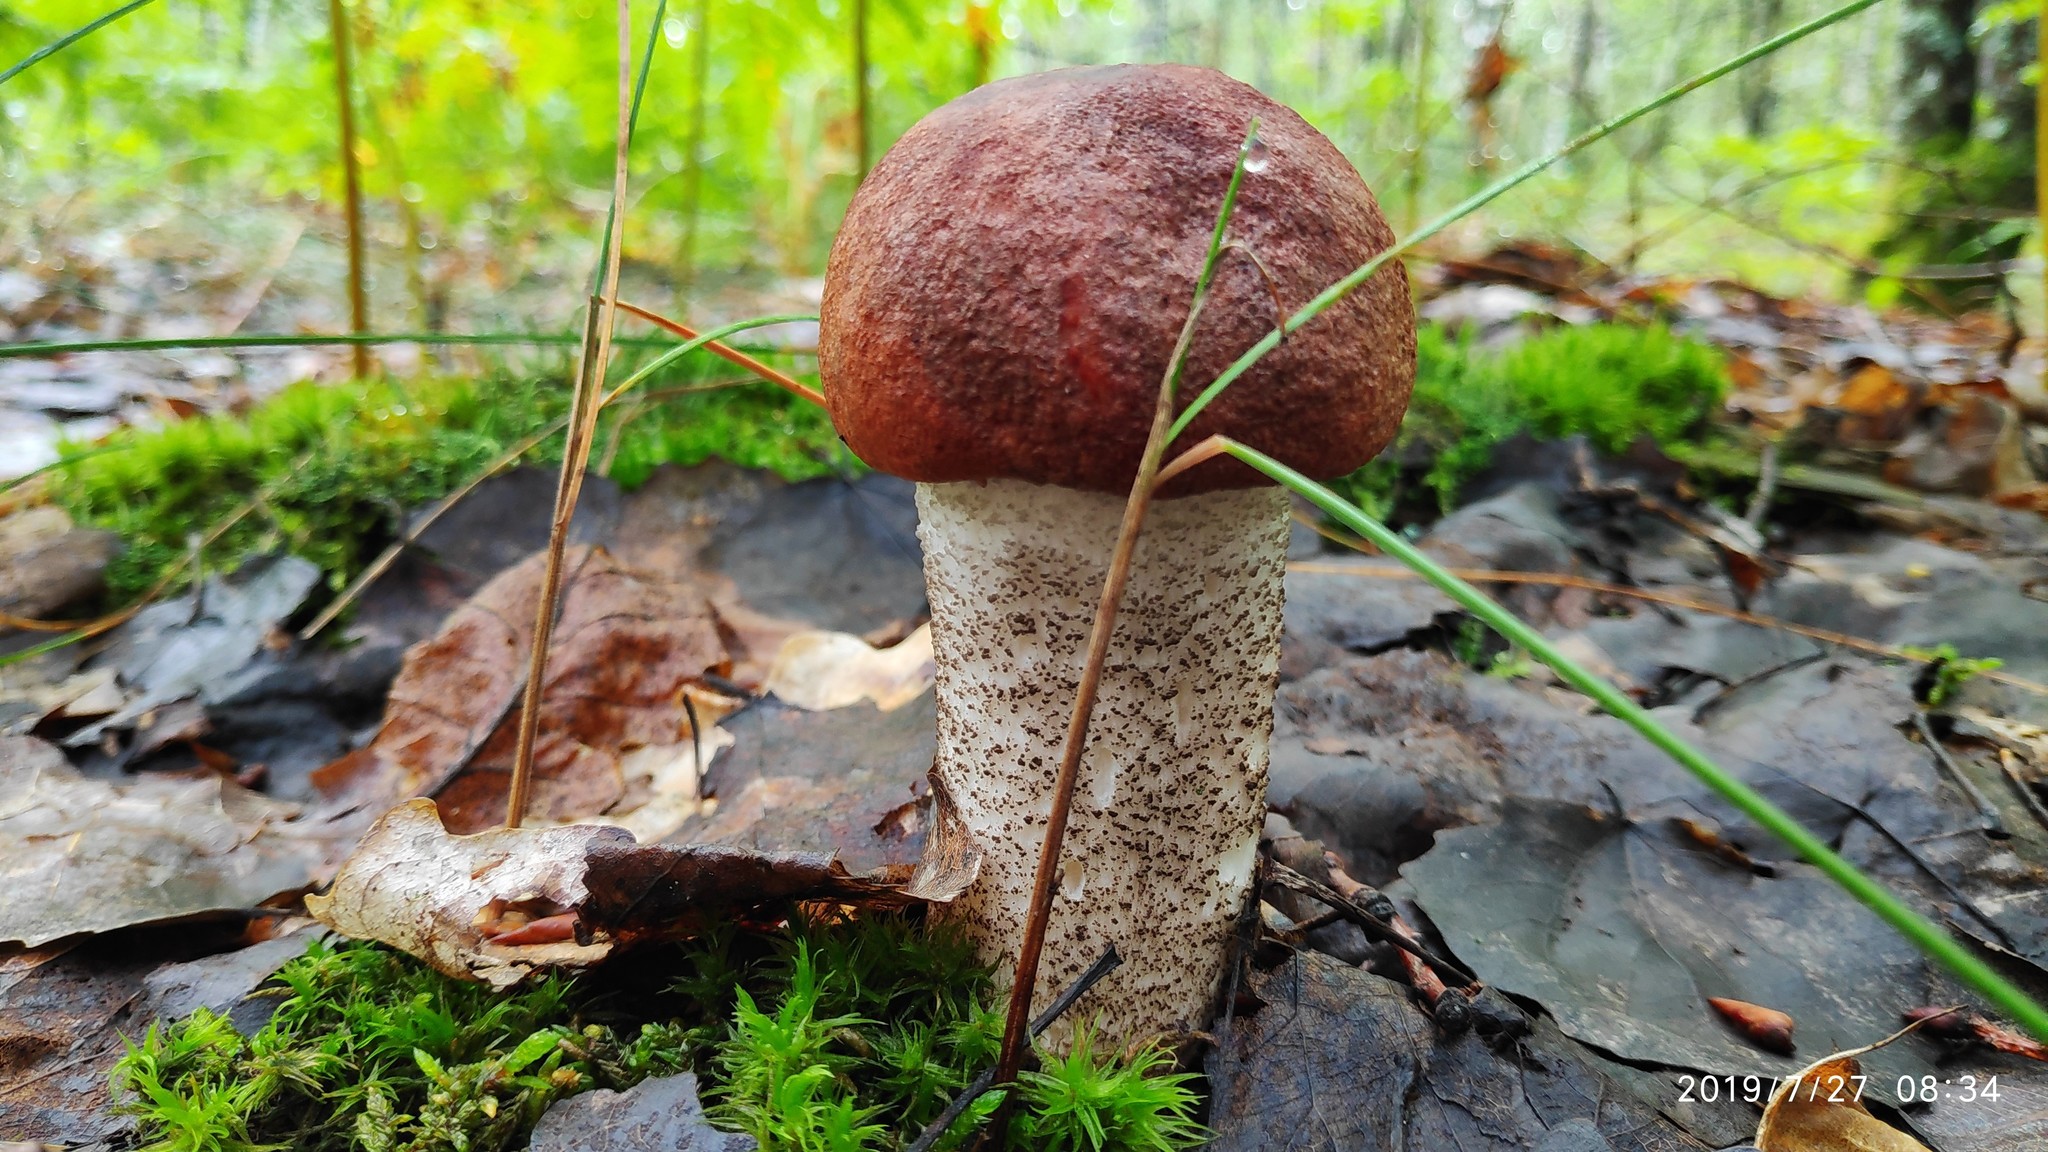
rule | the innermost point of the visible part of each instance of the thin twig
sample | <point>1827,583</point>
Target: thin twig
<point>419,527</point>
<point>1766,486</point>
<point>717,348</point>
<point>352,182</point>
<point>1994,825</point>
<point>582,426</point>
<point>1284,877</point>
<point>2026,791</point>
<point>1103,966</point>
<point>1561,580</point>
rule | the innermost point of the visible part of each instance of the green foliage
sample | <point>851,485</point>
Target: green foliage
<point>338,467</point>
<point>1611,383</point>
<point>1951,670</point>
<point>369,1049</point>
<point>824,1037</point>
<point>1075,1103</point>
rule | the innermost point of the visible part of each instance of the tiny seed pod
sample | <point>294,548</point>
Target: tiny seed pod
<point>1767,1028</point>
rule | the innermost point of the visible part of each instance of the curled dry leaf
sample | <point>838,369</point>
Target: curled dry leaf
<point>1767,1028</point>
<point>1820,1109</point>
<point>628,650</point>
<point>412,885</point>
<point>498,905</point>
<point>818,671</point>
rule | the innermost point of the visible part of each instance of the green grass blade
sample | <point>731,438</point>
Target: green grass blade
<point>1924,934</point>
<point>67,40</point>
<point>1494,191</point>
<point>681,350</point>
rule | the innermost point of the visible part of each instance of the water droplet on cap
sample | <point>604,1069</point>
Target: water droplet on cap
<point>1257,157</point>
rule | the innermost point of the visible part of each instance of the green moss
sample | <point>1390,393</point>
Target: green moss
<point>1611,383</point>
<point>371,451</point>
<point>850,1035</point>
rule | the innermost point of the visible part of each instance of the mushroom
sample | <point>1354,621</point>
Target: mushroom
<point>999,309</point>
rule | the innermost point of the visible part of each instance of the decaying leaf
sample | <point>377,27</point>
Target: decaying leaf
<point>498,905</point>
<point>181,649</point>
<point>626,651</point>
<point>818,671</point>
<point>412,885</point>
<point>84,855</point>
<point>660,1112</point>
<point>1821,1110</point>
<point>1622,930</point>
<point>1340,1059</point>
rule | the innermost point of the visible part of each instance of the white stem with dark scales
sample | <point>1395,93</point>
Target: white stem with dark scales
<point>1162,842</point>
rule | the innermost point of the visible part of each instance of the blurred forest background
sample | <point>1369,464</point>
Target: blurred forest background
<point>1848,166</point>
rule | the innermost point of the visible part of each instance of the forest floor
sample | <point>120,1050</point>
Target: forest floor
<point>1842,595</point>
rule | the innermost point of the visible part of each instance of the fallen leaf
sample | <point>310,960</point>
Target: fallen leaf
<point>47,564</point>
<point>626,651</point>
<point>461,903</point>
<point>176,650</point>
<point>85,855</point>
<point>1820,1109</point>
<point>663,1112</point>
<point>820,671</point>
<point>1338,1059</point>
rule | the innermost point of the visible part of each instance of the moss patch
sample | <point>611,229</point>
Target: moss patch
<point>371,451</point>
<point>1611,383</point>
<point>843,1036</point>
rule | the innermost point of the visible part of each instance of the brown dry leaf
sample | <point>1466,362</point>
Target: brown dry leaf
<point>499,905</point>
<point>1820,1110</point>
<point>1490,68</point>
<point>83,855</point>
<point>1876,406</point>
<point>413,886</point>
<point>627,649</point>
<point>820,671</point>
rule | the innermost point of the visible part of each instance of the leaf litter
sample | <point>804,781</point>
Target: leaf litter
<point>1386,745</point>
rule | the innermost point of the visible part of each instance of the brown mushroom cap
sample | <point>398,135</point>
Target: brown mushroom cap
<point>1010,280</point>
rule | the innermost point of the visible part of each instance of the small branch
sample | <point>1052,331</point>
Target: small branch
<point>1766,486</point>
<point>1668,599</point>
<point>351,182</point>
<point>718,348</point>
<point>1994,825</point>
<point>2026,791</point>
<point>390,555</point>
<point>582,428</point>
<point>1284,877</point>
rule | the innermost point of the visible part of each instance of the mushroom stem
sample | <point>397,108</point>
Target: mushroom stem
<point>1161,844</point>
